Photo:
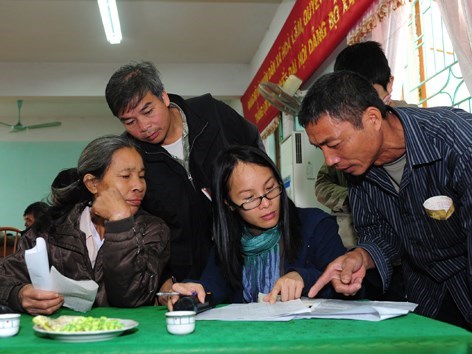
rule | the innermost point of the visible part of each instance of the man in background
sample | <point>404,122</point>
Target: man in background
<point>34,212</point>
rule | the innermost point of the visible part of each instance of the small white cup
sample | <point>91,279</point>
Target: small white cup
<point>9,324</point>
<point>180,322</point>
<point>440,207</point>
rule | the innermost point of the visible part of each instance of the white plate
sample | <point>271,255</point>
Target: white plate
<point>93,336</point>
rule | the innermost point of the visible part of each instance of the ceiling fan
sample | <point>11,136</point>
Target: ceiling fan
<point>286,98</point>
<point>18,127</point>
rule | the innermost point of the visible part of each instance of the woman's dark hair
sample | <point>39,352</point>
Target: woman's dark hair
<point>65,177</point>
<point>94,159</point>
<point>228,224</point>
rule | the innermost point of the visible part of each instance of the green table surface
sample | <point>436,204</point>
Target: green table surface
<point>407,334</point>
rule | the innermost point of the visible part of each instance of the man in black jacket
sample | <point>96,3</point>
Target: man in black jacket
<point>179,140</point>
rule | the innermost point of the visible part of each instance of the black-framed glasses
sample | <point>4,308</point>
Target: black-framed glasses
<point>255,202</point>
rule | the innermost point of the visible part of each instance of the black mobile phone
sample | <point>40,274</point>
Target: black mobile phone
<point>191,303</point>
<point>5,309</point>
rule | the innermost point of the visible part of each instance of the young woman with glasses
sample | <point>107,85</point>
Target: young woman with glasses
<point>263,243</point>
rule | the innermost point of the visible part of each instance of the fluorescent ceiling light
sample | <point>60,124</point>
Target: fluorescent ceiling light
<point>110,19</point>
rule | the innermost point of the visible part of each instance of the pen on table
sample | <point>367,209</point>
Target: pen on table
<point>170,293</point>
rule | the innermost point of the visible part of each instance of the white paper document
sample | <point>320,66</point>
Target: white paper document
<point>309,308</point>
<point>79,295</point>
<point>37,263</point>
<point>356,310</point>
<point>255,311</point>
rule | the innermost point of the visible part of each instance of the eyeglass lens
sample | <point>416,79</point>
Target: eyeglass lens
<point>254,203</point>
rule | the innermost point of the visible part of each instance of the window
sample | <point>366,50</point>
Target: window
<point>433,76</point>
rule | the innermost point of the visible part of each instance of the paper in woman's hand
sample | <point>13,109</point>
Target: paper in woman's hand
<point>37,263</point>
<point>79,295</point>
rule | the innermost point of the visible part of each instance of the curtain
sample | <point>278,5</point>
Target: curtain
<point>457,15</point>
<point>386,22</point>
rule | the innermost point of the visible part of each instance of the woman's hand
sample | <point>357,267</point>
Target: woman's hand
<point>290,287</point>
<point>39,302</point>
<point>186,289</point>
<point>110,205</point>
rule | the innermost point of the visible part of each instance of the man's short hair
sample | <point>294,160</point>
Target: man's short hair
<point>37,209</point>
<point>343,95</point>
<point>130,83</point>
<point>367,59</point>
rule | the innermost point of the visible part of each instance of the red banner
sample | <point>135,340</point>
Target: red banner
<point>312,31</point>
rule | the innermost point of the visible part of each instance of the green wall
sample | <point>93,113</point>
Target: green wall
<point>27,170</point>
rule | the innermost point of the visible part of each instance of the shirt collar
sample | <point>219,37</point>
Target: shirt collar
<point>184,119</point>
<point>419,147</point>
<point>85,222</point>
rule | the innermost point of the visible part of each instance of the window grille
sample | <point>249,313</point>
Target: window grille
<point>433,76</point>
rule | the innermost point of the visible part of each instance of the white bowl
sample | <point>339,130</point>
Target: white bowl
<point>180,322</point>
<point>9,324</point>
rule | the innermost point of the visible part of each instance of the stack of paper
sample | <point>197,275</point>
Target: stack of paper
<point>356,310</point>
<point>309,308</point>
<point>79,295</point>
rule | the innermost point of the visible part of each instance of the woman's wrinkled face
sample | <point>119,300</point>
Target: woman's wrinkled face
<point>126,174</point>
<point>250,181</point>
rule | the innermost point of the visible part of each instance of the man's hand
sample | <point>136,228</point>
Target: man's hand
<point>345,273</point>
<point>290,287</point>
<point>39,302</point>
<point>165,288</point>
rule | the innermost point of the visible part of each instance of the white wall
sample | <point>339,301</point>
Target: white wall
<point>33,157</point>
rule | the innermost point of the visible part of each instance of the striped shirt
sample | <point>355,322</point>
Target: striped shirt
<point>394,225</point>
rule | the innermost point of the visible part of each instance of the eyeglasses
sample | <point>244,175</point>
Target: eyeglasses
<point>255,202</point>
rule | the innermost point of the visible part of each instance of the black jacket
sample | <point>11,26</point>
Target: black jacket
<point>178,198</point>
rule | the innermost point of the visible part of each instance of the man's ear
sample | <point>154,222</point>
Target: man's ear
<point>165,98</point>
<point>372,117</point>
<point>390,85</point>
<point>90,182</point>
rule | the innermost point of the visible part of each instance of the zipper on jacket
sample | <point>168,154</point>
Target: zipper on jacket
<point>189,174</point>
<point>173,158</point>
<point>196,137</point>
<point>190,178</point>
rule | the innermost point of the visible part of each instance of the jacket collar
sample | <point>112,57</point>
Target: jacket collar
<point>419,150</point>
<point>197,125</point>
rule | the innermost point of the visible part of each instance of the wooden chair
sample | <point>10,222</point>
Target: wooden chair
<point>10,236</point>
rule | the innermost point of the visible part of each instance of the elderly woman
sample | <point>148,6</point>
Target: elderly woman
<point>97,231</point>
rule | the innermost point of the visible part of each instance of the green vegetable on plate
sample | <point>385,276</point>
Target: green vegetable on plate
<point>77,324</point>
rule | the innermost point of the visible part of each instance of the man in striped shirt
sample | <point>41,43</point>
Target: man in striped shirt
<point>397,159</point>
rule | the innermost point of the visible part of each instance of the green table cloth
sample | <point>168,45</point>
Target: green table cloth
<point>407,334</point>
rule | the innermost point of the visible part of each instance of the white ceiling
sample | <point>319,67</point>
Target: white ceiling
<point>225,31</point>
<point>55,56</point>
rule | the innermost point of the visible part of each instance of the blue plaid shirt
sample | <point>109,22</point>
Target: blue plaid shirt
<point>394,225</point>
